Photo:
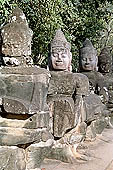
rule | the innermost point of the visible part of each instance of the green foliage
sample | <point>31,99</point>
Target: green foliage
<point>5,10</point>
<point>79,19</point>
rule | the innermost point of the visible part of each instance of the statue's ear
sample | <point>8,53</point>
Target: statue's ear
<point>70,55</point>
<point>96,64</point>
<point>70,66</point>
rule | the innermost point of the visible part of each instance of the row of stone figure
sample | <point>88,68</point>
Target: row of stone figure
<point>16,39</point>
<point>60,58</point>
<point>48,113</point>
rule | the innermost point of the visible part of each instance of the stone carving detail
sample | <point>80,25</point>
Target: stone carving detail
<point>60,56</point>
<point>64,97</point>
<point>88,57</point>
<point>17,35</point>
<point>17,38</point>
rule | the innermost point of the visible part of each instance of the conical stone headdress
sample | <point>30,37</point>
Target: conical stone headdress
<point>89,50</point>
<point>60,41</point>
<point>87,43</point>
<point>88,47</point>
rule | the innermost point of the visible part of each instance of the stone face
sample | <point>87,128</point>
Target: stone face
<point>12,158</point>
<point>24,91</point>
<point>21,136</point>
<point>16,35</point>
<point>60,56</point>
<point>88,57</point>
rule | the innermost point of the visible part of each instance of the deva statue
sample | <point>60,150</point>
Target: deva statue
<point>88,57</point>
<point>60,56</point>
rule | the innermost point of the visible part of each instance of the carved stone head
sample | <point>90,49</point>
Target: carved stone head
<point>60,56</point>
<point>16,35</point>
<point>88,57</point>
<point>105,61</point>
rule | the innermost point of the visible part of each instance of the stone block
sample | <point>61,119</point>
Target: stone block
<point>67,83</point>
<point>12,158</point>
<point>24,90</point>
<point>39,120</point>
<point>21,136</point>
<point>36,154</point>
<point>94,107</point>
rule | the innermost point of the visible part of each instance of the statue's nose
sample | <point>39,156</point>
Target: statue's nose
<point>59,57</point>
<point>87,61</point>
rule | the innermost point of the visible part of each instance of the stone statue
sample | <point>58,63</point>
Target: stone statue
<point>88,57</point>
<point>24,116</point>
<point>97,81</point>
<point>105,61</point>
<point>88,62</point>
<point>71,106</point>
<point>105,67</point>
<point>60,55</point>
<point>17,37</point>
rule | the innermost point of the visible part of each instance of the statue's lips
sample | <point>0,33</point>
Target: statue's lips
<point>87,66</point>
<point>58,63</point>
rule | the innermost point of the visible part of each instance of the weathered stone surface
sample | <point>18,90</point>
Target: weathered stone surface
<point>105,61</point>
<point>39,120</point>
<point>65,148</point>
<point>68,83</point>
<point>65,100</point>
<point>64,115</point>
<point>98,85</point>
<point>88,57</point>
<point>109,86</point>
<point>24,89</point>
<point>36,154</point>
<point>17,35</point>
<point>96,127</point>
<point>12,158</point>
<point>21,136</point>
<point>94,107</point>
<point>60,56</point>
<point>95,78</point>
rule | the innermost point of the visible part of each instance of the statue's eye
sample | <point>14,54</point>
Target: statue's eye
<point>90,59</point>
<point>55,54</point>
<point>64,55</point>
<point>84,59</point>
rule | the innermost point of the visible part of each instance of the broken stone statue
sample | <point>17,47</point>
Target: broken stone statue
<point>24,116</point>
<point>17,38</point>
